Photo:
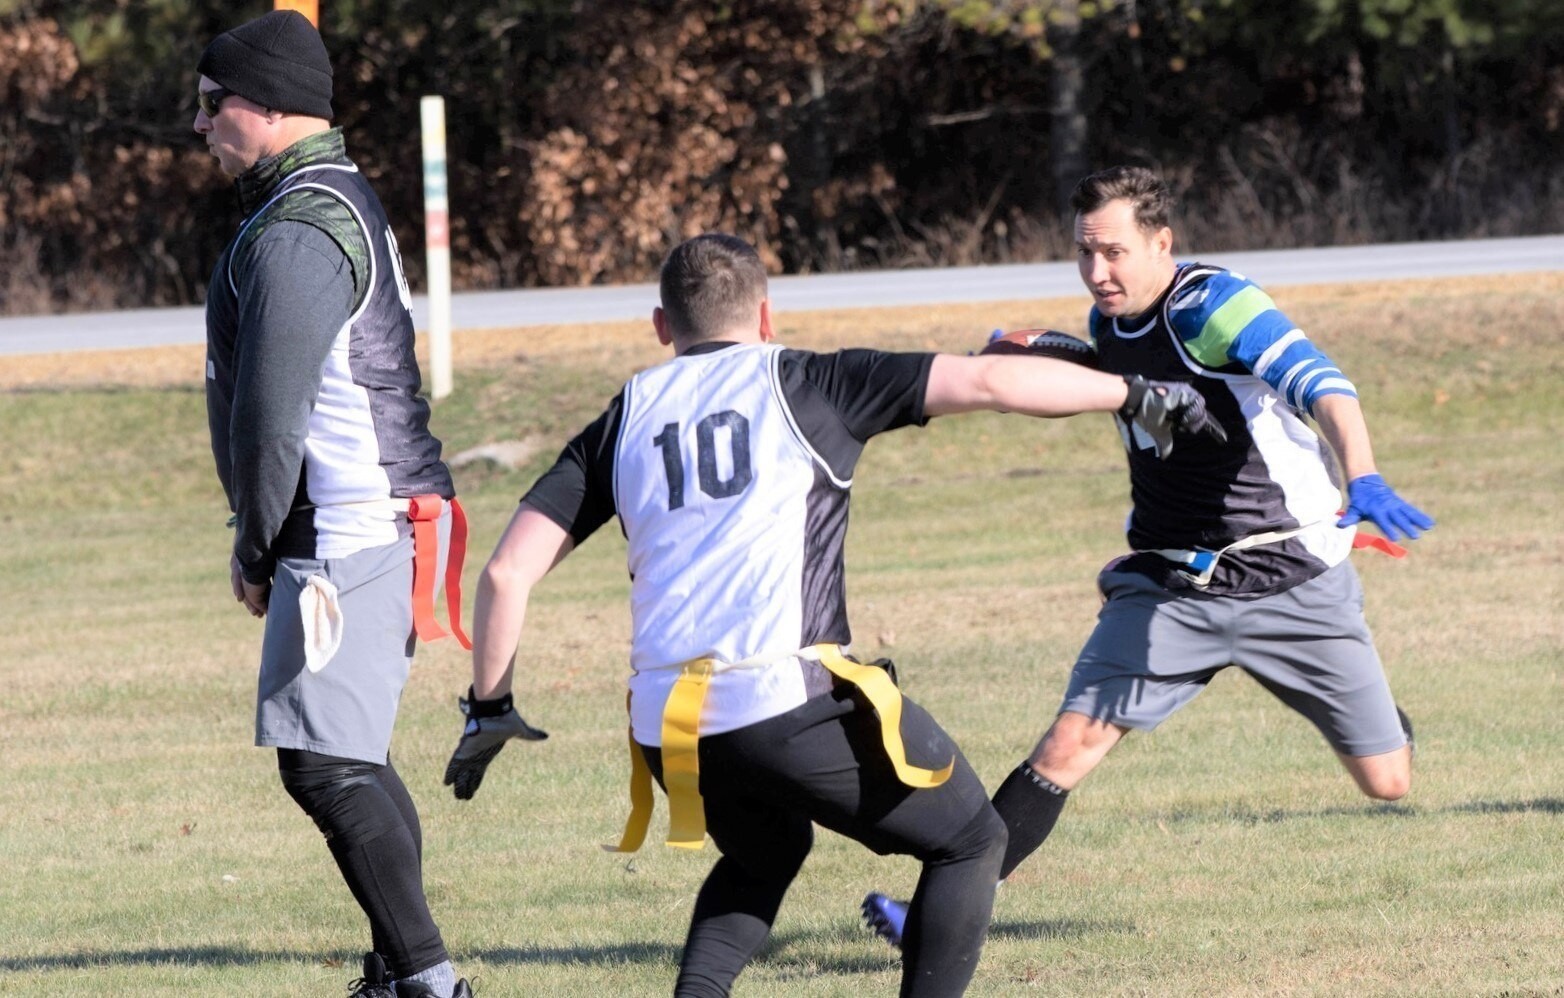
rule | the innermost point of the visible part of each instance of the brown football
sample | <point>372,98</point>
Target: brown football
<point>1043,343</point>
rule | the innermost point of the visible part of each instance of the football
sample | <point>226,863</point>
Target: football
<point>1042,343</point>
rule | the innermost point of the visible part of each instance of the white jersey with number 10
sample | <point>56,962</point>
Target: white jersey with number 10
<point>713,483</point>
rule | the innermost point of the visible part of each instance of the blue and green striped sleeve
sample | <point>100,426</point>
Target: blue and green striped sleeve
<point>1227,318</point>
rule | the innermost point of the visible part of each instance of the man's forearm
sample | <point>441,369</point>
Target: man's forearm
<point>1340,418</point>
<point>1034,386</point>
<point>531,545</point>
<point>499,614</point>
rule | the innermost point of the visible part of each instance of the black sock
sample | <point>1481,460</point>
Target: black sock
<point>1029,804</point>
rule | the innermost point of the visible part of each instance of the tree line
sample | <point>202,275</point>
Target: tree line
<point>585,138</point>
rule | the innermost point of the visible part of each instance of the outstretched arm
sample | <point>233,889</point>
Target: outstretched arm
<point>1043,386</point>
<point>1369,496</point>
<point>1035,386</point>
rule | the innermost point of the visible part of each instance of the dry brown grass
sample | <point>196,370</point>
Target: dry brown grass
<point>1226,854</point>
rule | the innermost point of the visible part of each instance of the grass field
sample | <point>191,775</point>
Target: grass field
<point>147,849</point>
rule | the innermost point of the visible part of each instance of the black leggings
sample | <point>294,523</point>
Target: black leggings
<point>372,830</point>
<point>823,762</point>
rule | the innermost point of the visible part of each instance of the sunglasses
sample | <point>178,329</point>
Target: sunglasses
<point>211,101</point>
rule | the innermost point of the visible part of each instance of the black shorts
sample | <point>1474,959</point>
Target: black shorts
<point>824,762</point>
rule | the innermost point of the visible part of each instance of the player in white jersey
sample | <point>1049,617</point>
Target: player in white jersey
<point>1239,551</point>
<point>729,468</point>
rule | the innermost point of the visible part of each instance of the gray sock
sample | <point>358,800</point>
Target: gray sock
<point>441,979</point>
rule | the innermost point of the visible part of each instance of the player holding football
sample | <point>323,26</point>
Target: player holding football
<point>1239,551</point>
<point>729,467</point>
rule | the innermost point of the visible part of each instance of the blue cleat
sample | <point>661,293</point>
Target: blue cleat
<point>885,917</point>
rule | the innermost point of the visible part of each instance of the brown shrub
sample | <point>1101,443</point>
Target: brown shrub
<point>669,125</point>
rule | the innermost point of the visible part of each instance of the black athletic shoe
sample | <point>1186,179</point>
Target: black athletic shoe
<point>1406,728</point>
<point>376,982</point>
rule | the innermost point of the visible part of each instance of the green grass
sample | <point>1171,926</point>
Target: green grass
<point>146,849</point>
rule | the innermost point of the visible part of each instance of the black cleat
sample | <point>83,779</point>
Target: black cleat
<point>376,982</point>
<point>1406,728</point>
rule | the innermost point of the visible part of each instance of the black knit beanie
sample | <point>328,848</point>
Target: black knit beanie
<point>277,60</point>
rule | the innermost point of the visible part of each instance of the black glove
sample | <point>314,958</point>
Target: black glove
<point>1163,408</point>
<point>490,724</point>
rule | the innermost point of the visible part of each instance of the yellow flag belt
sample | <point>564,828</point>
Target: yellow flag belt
<point>681,736</point>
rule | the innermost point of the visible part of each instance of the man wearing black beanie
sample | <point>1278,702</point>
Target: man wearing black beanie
<point>323,447</point>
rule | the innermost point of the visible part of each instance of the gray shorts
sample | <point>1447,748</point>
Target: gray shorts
<point>1153,650</point>
<point>348,708</point>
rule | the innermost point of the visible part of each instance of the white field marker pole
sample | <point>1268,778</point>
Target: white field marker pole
<point>437,245</point>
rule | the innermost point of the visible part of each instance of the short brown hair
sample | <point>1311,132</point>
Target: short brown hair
<point>710,284</point>
<point>1146,192</point>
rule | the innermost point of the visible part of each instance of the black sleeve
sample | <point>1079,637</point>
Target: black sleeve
<point>839,400</point>
<point>578,492</point>
<point>295,291</point>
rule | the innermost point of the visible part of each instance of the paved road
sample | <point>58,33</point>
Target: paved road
<point>490,309</point>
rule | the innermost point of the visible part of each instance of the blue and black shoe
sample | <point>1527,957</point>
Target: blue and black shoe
<point>886,917</point>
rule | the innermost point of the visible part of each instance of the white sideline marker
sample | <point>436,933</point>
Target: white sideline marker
<point>437,244</point>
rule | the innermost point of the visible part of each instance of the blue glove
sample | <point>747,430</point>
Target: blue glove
<point>1370,498</point>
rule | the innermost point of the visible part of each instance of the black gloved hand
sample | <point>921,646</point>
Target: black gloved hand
<point>490,724</point>
<point>1165,408</point>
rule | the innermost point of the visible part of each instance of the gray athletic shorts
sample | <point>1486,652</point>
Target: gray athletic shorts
<point>1153,650</point>
<point>348,708</point>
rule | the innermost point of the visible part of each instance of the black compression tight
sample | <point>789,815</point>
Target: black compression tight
<point>733,915</point>
<point>764,785</point>
<point>372,830</point>
<point>947,921</point>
